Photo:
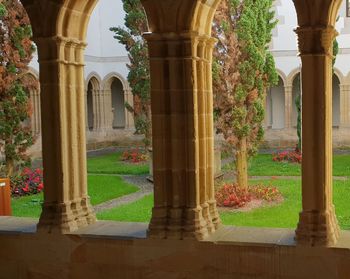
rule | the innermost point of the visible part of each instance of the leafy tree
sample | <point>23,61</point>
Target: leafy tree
<point>139,76</point>
<point>16,51</point>
<point>243,69</point>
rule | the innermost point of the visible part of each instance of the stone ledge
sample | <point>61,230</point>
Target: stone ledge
<point>226,235</point>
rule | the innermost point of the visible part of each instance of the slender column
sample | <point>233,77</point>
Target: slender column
<point>35,118</point>
<point>345,105</point>
<point>181,137</point>
<point>288,91</point>
<point>208,56</point>
<point>129,117</point>
<point>97,109</point>
<point>317,223</point>
<point>107,105</point>
<point>66,203</point>
<point>86,109</point>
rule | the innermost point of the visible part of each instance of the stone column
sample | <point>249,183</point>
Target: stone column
<point>317,224</point>
<point>182,136</point>
<point>66,204</point>
<point>107,109</point>
<point>36,115</point>
<point>129,117</point>
<point>345,105</point>
<point>288,91</point>
<point>98,109</point>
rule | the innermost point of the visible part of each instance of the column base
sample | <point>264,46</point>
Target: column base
<point>66,217</point>
<point>214,213</point>
<point>317,228</point>
<point>157,225</point>
<point>195,226</point>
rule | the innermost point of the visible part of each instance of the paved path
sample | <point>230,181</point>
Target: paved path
<point>145,188</point>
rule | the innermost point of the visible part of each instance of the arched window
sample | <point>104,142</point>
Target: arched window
<point>275,106</point>
<point>90,107</point>
<point>118,104</point>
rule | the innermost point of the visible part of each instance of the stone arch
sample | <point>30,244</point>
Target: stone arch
<point>34,94</point>
<point>291,76</point>
<point>92,90</point>
<point>120,93</point>
<point>95,78</point>
<point>282,76</point>
<point>194,16</point>
<point>336,82</point>
<point>339,75</point>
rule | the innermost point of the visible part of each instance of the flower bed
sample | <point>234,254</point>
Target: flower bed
<point>134,156</point>
<point>28,182</point>
<point>231,195</point>
<point>287,156</point>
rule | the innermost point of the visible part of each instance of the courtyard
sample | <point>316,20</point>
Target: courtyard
<point>121,191</point>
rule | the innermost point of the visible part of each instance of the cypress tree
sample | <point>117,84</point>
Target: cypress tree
<point>243,69</point>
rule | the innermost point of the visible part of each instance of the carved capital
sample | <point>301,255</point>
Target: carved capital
<point>316,40</point>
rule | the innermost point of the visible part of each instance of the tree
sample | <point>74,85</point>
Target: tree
<point>243,69</point>
<point>139,74</point>
<point>16,51</point>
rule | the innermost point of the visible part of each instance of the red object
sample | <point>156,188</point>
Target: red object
<point>5,197</point>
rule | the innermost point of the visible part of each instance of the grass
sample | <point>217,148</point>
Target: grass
<point>262,165</point>
<point>100,188</point>
<point>284,215</point>
<point>138,211</point>
<point>111,164</point>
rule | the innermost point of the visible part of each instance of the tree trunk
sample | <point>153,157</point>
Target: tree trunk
<point>9,166</point>
<point>242,164</point>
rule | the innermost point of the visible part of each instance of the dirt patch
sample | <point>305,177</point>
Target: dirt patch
<point>253,204</point>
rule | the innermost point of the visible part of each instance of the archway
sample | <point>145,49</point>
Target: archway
<point>295,93</point>
<point>90,107</point>
<point>336,101</point>
<point>118,104</point>
<point>275,106</point>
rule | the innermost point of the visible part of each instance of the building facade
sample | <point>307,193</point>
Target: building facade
<point>281,113</point>
<point>106,87</point>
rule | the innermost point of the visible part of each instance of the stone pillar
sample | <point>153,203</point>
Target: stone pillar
<point>182,136</point>
<point>98,108</point>
<point>86,109</point>
<point>288,91</point>
<point>66,204</point>
<point>129,117</point>
<point>345,105</point>
<point>317,224</point>
<point>36,115</point>
<point>107,109</point>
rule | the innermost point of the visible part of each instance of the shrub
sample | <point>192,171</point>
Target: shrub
<point>266,193</point>
<point>231,195</point>
<point>287,156</point>
<point>28,182</point>
<point>134,156</point>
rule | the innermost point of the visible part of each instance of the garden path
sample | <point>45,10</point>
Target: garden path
<point>140,181</point>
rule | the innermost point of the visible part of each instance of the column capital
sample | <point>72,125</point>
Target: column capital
<point>316,40</point>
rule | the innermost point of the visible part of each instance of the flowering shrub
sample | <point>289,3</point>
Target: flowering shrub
<point>134,156</point>
<point>230,195</point>
<point>287,156</point>
<point>28,182</point>
<point>262,192</point>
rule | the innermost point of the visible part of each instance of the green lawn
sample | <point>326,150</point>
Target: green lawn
<point>262,165</point>
<point>100,189</point>
<point>284,215</point>
<point>111,164</point>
